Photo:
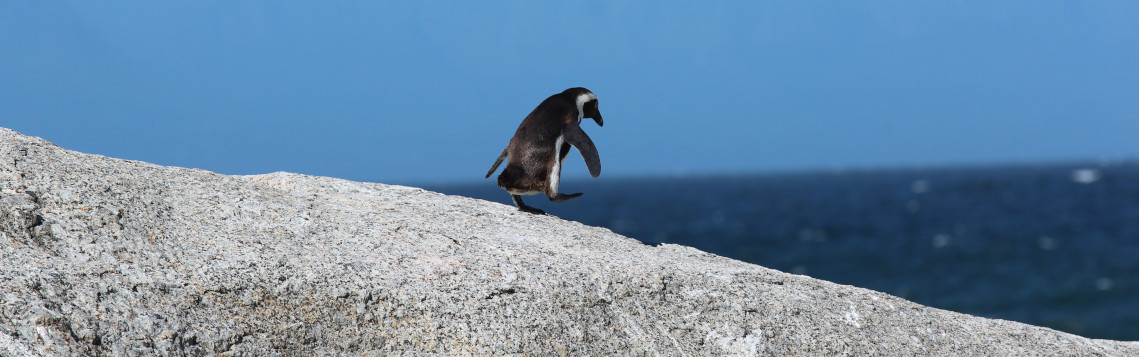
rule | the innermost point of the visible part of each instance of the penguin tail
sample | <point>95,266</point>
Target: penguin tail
<point>496,163</point>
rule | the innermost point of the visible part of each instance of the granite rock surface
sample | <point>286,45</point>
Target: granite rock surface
<point>103,256</point>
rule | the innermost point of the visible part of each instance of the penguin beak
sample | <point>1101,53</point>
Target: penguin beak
<point>597,118</point>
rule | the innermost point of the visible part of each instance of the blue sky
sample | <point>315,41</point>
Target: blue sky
<point>431,91</point>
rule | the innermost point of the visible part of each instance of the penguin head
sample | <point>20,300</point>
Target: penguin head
<point>586,104</point>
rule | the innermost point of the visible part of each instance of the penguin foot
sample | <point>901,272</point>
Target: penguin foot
<point>523,207</point>
<point>564,197</point>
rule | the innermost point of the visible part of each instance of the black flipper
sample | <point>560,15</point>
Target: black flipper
<point>523,207</point>
<point>576,137</point>
<point>496,163</point>
<point>564,197</point>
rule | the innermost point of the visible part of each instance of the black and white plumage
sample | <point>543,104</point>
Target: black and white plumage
<point>541,144</point>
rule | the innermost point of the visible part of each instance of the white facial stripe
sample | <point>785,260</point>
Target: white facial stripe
<point>581,100</point>
<point>556,171</point>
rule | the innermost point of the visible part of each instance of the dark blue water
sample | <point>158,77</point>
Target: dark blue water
<point>1049,245</point>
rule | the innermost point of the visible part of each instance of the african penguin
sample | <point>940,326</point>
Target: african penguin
<point>541,143</point>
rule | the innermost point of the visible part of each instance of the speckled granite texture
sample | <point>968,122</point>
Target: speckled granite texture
<point>102,256</point>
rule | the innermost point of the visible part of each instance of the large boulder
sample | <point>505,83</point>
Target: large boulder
<point>102,256</point>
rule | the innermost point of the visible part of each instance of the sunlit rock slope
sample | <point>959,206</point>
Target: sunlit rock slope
<point>102,256</point>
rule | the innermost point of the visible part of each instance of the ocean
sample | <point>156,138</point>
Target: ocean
<point>1052,245</point>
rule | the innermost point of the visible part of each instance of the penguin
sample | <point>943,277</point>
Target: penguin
<point>541,143</point>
